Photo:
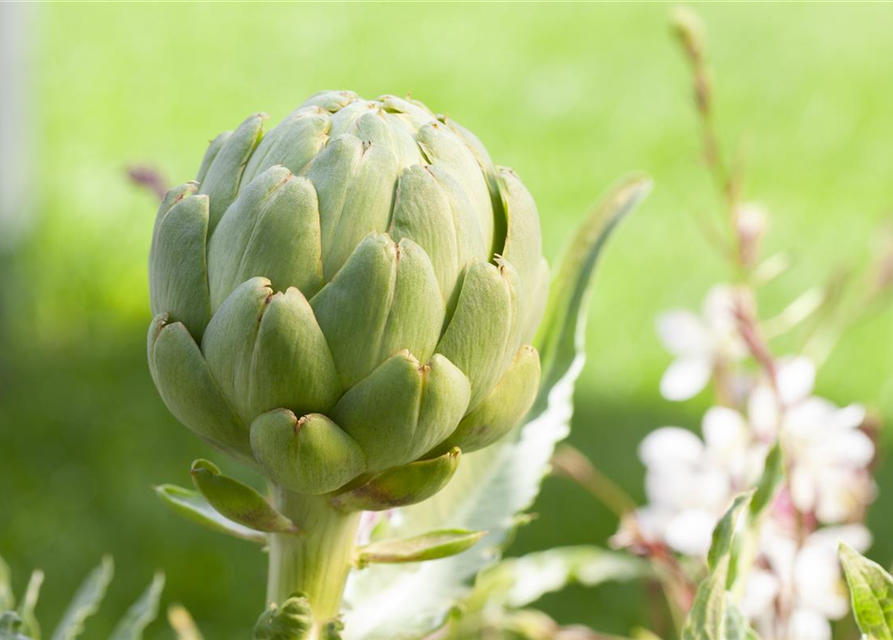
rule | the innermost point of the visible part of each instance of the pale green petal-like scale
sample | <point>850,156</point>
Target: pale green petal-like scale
<point>481,328</point>
<point>389,131</point>
<point>330,100</point>
<point>178,268</point>
<point>189,390</point>
<point>415,114</point>
<point>271,230</point>
<point>224,175</point>
<point>427,210</point>
<point>213,149</point>
<point>344,118</point>
<point>384,299</point>
<point>229,340</point>
<point>500,411</point>
<point>291,365</point>
<point>293,143</point>
<point>523,238</point>
<point>402,408</point>
<point>446,150</point>
<point>310,455</point>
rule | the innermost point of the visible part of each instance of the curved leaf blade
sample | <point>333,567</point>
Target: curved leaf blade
<point>191,505</point>
<point>433,545</point>
<point>86,601</point>
<point>871,593</point>
<point>141,612</point>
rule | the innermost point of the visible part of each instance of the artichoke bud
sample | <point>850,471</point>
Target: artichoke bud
<point>401,486</point>
<point>290,620</point>
<point>338,298</point>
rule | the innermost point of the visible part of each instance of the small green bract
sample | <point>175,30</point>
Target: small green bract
<point>353,291</point>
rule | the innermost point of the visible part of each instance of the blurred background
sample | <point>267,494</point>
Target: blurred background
<point>570,95</point>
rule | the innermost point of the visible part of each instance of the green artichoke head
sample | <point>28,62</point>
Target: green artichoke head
<point>351,292</point>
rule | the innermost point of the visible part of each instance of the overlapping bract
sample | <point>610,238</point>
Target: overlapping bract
<point>351,292</point>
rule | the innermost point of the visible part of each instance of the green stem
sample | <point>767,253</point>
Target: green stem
<point>315,562</point>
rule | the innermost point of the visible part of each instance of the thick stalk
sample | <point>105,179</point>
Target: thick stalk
<point>316,561</point>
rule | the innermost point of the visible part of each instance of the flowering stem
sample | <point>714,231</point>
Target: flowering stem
<point>315,562</point>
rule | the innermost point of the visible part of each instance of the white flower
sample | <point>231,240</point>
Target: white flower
<point>803,579</point>
<point>700,343</point>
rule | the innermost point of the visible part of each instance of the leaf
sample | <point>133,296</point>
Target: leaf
<point>30,626</point>
<point>518,582</point>
<point>871,593</point>
<point>86,601</point>
<point>140,613</point>
<point>428,546</point>
<point>773,474</point>
<point>724,530</point>
<point>494,484</point>
<point>193,506</point>
<point>561,333</point>
<point>705,620</point>
<point>182,623</point>
<point>7,598</point>
<point>735,625</point>
<point>237,501</point>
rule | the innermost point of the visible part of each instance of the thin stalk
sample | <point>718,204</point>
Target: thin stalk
<point>315,562</point>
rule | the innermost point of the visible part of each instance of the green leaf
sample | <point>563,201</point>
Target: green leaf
<point>26,608</point>
<point>237,501</point>
<point>724,531</point>
<point>429,546</point>
<point>706,619</point>
<point>140,613</point>
<point>773,474</point>
<point>182,623</point>
<point>7,598</point>
<point>736,625</point>
<point>560,335</point>
<point>86,601</point>
<point>518,582</point>
<point>190,504</point>
<point>871,592</point>
<point>389,602</point>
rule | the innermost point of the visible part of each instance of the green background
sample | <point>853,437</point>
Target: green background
<point>570,95</point>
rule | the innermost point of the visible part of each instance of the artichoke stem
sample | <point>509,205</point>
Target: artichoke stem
<point>315,562</point>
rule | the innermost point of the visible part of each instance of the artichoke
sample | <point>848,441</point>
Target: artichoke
<point>352,292</point>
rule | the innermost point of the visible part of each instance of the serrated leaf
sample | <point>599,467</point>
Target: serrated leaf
<point>518,582</point>
<point>494,484</point>
<point>30,625</point>
<point>140,613</point>
<point>238,502</point>
<point>724,531</point>
<point>182,623</point>
<point>86,601</point>
<point>433,545</point>
<point>871,593</point>
<point>560,336</point>
<point>770,479</point>
<point>192,505</point>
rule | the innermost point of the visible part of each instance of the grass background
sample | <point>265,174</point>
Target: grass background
<point>570,95</point>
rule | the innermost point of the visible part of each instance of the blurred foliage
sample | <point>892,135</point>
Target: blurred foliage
<point>570,95</point>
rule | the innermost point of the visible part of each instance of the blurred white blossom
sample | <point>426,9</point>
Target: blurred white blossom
<point>701,343</point>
